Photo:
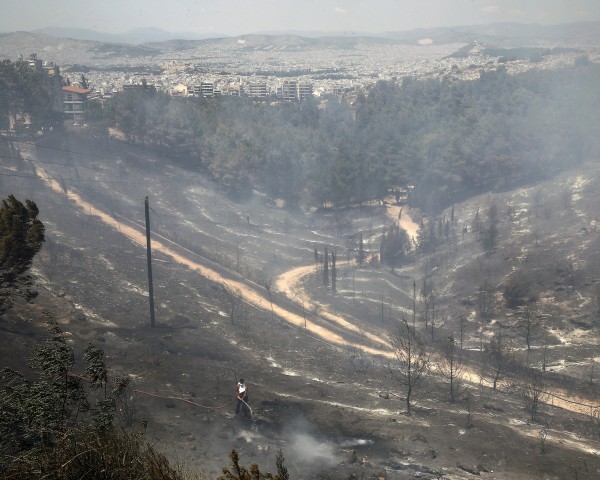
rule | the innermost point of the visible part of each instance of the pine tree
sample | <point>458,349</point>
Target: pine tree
<point>395,245</point>
<point>490,234</point>
<point>21,237</point>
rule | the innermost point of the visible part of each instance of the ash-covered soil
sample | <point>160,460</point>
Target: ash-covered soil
<point>332,408</point>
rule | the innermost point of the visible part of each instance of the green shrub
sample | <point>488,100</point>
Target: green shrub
<point>59,425</point>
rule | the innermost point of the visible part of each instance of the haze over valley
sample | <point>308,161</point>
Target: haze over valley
<point>391,236</point>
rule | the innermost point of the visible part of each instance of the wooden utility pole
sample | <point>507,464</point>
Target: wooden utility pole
<point>149,258</point>
<point>414,301</point>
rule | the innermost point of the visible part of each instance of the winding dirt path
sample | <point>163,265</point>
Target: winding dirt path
<point>286,283</point>
<point>400,213</point>
<point>249,294</point>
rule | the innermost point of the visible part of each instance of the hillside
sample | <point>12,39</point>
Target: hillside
<point>77,46</point>
<point>332,407</point>
<point>510,34</point>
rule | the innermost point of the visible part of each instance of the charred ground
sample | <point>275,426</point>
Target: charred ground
<point>334,411</point>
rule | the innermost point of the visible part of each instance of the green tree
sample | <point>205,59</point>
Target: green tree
<point>21,237</point>
<point>395,246</point>
<point>449,139</point>
<point>58,424</point>
<point>489,235</point>
<point>516,290</point>
<point>23,91</point>
<point>344,177</point>
<point>38,413</point>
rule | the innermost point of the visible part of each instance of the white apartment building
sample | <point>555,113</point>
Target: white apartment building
<point>75,103</point>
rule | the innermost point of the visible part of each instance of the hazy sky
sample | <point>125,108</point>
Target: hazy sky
<point>234,17</point>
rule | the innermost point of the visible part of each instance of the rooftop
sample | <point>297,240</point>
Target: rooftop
<point>72,89</point>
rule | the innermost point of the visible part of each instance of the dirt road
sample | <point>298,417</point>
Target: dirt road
<point>252,296</point>
<point>400,213</point>
<point>287,283</point>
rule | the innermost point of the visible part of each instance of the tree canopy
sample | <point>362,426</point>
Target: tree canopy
<point>21,237</point>
<point>23,90</point>
<point>451,139</point>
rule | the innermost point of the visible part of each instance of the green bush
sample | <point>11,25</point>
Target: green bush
<point>516,291</point>
<point>59,425</point>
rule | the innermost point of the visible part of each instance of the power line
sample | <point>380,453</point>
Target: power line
<point>67,164</point>
<point>53,163</point>
<point>69,180</point>
<point>64,150</point>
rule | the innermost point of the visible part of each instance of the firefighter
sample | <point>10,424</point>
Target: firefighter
<point>242,398</point>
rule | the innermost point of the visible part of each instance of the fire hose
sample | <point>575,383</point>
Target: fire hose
<point>186,400</point>
<point>249,408</point>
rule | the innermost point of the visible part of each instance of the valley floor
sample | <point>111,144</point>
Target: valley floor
<point>238,295</point>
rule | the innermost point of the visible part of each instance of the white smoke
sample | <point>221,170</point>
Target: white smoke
<point>310,451</point>
<point>306,450</point>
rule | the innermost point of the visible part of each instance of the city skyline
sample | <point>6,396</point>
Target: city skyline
<point>237,17</point>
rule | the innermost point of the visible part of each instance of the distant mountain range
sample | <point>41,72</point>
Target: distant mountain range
<point>510,34</point>
<point>135,36</point>
<point>502,34</point>
<point>85,47</point>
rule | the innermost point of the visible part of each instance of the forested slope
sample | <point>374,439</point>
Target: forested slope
<point>22,89</point>
<point>450,139</point>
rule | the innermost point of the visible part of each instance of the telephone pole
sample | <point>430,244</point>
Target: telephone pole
<point>414,301</point>
<point>149,259</point>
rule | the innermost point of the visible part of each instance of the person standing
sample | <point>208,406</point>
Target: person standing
<point>242,398</point>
